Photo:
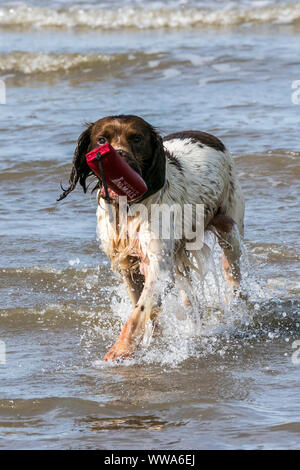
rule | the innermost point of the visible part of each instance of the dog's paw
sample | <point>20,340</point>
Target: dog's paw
<point>116,353</point>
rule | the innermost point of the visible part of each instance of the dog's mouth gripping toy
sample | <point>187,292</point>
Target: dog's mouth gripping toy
<point>116,176</point>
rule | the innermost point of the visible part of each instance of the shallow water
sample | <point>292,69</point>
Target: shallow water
<point>223,378</point>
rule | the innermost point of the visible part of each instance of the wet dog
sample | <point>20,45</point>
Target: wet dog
<point>184,168</point>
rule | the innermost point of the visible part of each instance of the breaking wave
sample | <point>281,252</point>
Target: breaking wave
<point>39,62</point>
<point>140,18</point>
<point>30,62</point>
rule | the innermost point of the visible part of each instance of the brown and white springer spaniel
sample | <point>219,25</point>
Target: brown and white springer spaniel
<point>188,167</point>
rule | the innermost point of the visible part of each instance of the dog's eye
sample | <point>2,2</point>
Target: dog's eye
<point>102,140</point>
<point>136,139</point>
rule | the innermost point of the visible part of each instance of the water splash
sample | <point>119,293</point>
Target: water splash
<point>210,325</point>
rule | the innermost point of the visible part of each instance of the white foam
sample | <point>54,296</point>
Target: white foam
<point>30,62</point>
<point>72,262</point>
<point>198,59</point>
<point>143,18</point>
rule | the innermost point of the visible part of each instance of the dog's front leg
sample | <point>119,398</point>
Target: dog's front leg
<point>159,276</point>
<point>134,282</point>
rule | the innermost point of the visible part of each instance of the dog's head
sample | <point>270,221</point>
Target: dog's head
<point>136,140</point>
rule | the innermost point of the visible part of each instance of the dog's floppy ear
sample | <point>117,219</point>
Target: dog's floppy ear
<point>155,174</point>
<point>80,170</point>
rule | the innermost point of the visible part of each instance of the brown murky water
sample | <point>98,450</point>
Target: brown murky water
<point>223,378</point>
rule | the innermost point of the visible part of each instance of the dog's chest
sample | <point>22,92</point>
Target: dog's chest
<point>124,242</point>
